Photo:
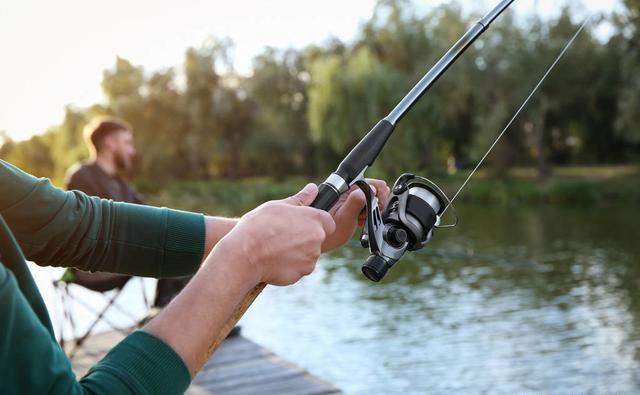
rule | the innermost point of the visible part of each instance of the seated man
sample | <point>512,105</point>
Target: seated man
<point>276,243</point>
<point>111,147</point>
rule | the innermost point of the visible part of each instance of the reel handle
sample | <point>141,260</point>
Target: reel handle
<point>375,268</point>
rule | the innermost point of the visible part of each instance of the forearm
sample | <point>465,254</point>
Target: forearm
<point>57,228</point>
<point>277,243</point>
<point>192,322</point>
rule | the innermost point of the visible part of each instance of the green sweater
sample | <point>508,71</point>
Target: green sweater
<point>56,228</point>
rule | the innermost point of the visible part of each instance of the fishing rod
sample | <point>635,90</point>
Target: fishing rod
<point>416,204</point>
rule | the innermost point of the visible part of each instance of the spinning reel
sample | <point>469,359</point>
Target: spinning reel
<point>411,213</point>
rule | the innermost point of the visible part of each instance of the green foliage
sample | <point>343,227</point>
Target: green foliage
<point>280,141</point>
<point>628,46</point>
<point>299,111</point>
<point>347,95</point>
<point>573,186</point>
<point>33,156</point>
<point>222,197</point>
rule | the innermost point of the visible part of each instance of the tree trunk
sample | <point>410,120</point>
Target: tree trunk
<point>542,161</point>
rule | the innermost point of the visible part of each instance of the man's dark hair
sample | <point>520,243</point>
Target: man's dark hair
<point>99,129</point>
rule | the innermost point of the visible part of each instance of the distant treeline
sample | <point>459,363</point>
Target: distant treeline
<point>299,111</point>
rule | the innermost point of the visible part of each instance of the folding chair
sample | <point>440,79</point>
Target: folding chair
<point>110,286</point>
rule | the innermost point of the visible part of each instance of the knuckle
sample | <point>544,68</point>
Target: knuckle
<point>320,234</point>
<point>325,217</point>
<point>319,214</point>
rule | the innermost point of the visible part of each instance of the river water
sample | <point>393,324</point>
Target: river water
<point>514,300</point>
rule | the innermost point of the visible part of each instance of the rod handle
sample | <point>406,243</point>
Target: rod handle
<point>239,312</point>
<point>327,197</point>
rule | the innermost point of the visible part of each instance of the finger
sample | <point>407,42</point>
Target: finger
<point>354,205</point>
<point>381,187</point>
<point>362,217</point>
<point>328,224</point>
<point>304,197</point>
<point>383,191</point>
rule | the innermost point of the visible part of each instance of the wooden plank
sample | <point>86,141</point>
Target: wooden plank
<point>263,371</point>
<point>239,367</point>
<point>293,385</point>
<point>257,367</point>
<point>236,350</point>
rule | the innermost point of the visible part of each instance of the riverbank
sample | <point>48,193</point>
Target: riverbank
<point>588,186</point>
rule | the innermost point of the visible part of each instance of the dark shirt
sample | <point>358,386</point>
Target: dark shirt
<point>92,180</point>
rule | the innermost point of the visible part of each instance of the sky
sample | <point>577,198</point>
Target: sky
<point>53,53</point>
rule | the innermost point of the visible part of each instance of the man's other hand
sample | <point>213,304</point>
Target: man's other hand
<point>348,212</point>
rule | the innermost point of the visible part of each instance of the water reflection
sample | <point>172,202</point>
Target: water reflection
<point>514,300</point>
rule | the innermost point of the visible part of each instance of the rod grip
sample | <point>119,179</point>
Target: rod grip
<point>235,317</point>
<point>327,197</point>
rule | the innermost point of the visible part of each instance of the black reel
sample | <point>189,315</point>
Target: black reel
<point>412,212</point>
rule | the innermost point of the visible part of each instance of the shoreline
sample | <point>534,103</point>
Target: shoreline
<point>584,186</point>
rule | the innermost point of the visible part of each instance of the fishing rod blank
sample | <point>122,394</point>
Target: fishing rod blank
<point>355,164</point>
<point>443,64</point>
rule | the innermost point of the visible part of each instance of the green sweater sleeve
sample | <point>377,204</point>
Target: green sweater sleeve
<point>32,362</point>
<point>58,228</point>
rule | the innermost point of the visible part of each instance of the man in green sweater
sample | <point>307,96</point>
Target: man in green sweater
<point>276,243</point>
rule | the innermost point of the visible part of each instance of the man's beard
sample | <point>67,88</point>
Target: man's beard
<point>122,162</point>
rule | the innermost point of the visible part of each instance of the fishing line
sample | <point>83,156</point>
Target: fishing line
<point>535,89</point>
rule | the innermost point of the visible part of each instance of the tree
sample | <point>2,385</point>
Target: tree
<point>280,140</point>
<point>628,123</point>
<point>301,111</point>
<point>33,156</point>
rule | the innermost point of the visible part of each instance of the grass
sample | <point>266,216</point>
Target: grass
<point>588,186</point>
<point>222,197</point>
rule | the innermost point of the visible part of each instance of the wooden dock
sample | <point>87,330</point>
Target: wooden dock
<point>239,367</point>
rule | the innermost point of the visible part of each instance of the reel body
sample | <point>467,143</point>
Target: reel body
<point>411,213</point>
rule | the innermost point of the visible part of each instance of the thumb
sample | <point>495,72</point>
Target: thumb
<point>304,197</point>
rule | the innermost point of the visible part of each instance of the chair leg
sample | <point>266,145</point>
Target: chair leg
<point>67,300</point>
<point>79,341</point>
<point>144,294</point>
<point>61,298</point>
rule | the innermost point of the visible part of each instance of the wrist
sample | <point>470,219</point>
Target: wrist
<point>233,254</point>
<point>216,228</point>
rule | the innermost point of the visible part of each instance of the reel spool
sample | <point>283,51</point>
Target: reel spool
<point>413,210</point>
